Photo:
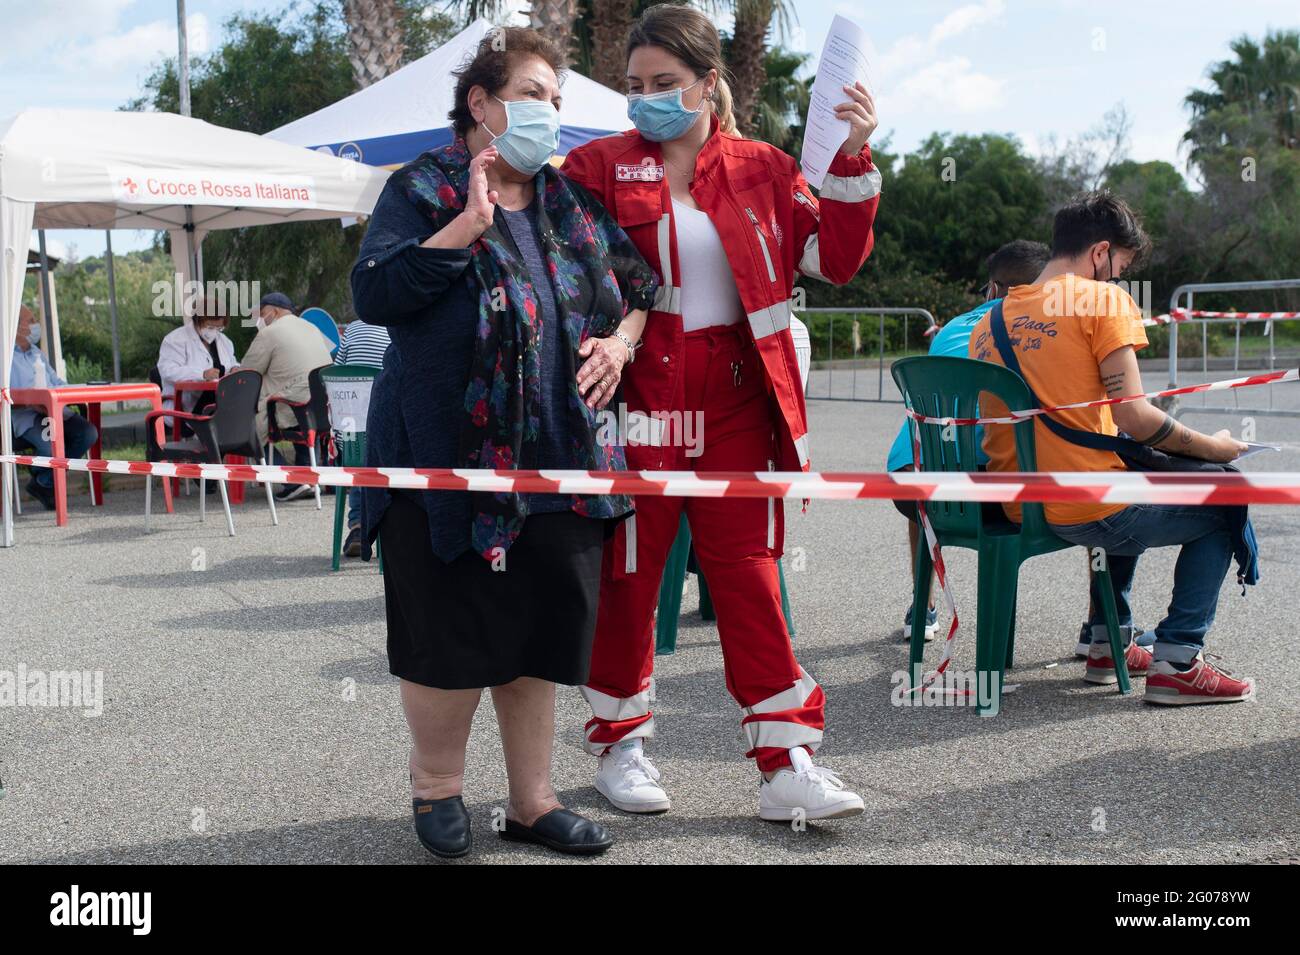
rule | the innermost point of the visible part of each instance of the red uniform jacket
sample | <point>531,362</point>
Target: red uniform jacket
<point>771,227</point>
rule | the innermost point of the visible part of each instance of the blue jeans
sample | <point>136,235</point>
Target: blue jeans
<point>1203,563</point>
<point>78,437</point>
<point>301,456</point>
<point>354,507</point>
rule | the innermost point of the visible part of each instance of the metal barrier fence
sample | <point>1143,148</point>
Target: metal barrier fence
<point>837,338</point>
<point>1189,291</point>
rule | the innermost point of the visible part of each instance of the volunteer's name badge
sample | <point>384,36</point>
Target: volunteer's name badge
<point>645,171</point>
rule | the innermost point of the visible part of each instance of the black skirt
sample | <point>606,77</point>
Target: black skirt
<point>463,625</point>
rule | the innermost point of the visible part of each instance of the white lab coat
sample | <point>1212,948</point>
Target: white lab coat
<point>184,356</point>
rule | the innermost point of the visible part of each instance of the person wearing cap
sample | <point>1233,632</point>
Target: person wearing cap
<point>284,353</point>
<point>198,350</point>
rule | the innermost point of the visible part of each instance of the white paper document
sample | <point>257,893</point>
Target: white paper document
<point>1253,448</point>
<point>843,62</point>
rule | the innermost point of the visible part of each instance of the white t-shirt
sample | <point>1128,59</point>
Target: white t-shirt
<point>709,294</point>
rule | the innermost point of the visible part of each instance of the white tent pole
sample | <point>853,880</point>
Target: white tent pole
<point>183,63</point>
<point>112,305</point>
<point>8,474</point>
<point>47,313</point>
<point>191,248</point>
<point>15,238</point>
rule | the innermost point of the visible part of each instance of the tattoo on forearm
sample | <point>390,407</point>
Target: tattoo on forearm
<point>1161,433</point>
<point>1114,385</point>
<point>1185,435</point>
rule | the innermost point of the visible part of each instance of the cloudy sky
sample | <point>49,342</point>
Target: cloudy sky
<point>1034,68</point>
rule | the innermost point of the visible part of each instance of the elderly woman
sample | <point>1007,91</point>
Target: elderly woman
<point>514,302</point>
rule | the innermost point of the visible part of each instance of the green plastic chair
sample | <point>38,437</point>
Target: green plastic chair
<point>950,387</point>
<point>351,447</point>
<point>674,582</point>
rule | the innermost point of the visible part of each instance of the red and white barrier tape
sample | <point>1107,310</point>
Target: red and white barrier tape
<point>1183,315</point>
<point>1106,487</point>
<point>941,572</point>
<point>1098,487</point>
<point>1268,378</point>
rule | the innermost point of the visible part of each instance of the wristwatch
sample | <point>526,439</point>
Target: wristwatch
<point>631,346</point>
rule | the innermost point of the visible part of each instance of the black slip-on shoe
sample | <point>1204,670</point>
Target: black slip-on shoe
<point>42,493</point>
<point>563,831</point>
<point>442,826</point>
<point>352,546</point>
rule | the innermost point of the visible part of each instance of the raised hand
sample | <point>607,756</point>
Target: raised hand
<point>480,204</point>
<point>860,113</point>
<point>480,201</point>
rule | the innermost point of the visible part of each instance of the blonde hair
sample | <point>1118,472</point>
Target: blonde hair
<point>689,35</point>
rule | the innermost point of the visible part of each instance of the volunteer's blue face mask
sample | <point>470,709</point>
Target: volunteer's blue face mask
<point>531,136</point>
<point>660,117</point>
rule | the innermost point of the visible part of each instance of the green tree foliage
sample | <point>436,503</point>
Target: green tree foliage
<point>944,209</point>
<point>1159,195</point>
<point>1254,99</point>
<point>86,329</point>
<point>1244,144</point>
<point>782,99</point>
<point>956,199</point>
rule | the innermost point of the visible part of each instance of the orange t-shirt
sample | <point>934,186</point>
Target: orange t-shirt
<point>1061,330</point>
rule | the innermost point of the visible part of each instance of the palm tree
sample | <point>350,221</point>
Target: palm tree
<point>783,101</point>
<point>473,9</point>
<point>375,44</point>
<point>754,20</point>
<point>748,51</point>
<point>1255,96</point>
<point>609,23</point>
<point>556,20</point>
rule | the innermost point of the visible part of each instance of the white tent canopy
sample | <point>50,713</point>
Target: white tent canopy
<point>85,169</point>
<point>405,113</point>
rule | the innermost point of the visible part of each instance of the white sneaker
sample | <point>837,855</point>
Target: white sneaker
<point>1085,642</point>
<point>807,791</point>
<point>628,779</point>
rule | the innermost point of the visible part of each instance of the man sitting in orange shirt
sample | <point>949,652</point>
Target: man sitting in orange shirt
<point>1075,336</point>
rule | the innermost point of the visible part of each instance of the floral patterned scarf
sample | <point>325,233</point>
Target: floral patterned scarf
<point>503,397</point>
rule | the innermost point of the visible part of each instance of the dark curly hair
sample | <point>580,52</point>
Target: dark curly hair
<point>498,52</point>
<point>1099,216</point>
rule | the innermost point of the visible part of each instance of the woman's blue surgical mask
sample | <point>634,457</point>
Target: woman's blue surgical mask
<point>660,117</point>
<point>531,136</point>
<point>34,335</point>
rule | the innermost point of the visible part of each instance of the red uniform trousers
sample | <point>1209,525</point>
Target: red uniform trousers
<point>737,543</point>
